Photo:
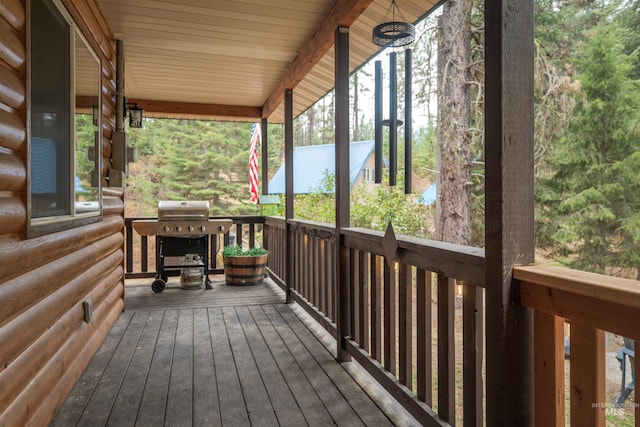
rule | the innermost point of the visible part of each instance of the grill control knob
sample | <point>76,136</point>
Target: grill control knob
<point>203,228</point>
<point>190,228</point>
<point>178,228</point>
<point>165,229</point>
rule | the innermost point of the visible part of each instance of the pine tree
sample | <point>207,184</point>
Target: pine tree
<point>589,209</point>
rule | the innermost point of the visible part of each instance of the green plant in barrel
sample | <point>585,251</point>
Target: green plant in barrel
<point>244,266</point>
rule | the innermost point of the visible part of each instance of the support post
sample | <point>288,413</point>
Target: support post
<point>342,187</point>
<point>509,233</point>
<point>265,156</point>
<point>288,178</point>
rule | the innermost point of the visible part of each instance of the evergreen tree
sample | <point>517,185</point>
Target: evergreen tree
<point>629,18</point>
<point>589,208</point>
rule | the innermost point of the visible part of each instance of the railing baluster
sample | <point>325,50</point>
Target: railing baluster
<point>144,256</point>
<point>329,279</point>
<point>239,234</point>
<point>310,269</point>
<point>389,347</point>
<point>353,291</point>
<point>376,307</point>
<point>308,257</point>
<point>305,267</point>
<point>322,281</point>
<point>446,355</point>
<point>548,369</point>
<point>333,289</point>
<point>252,235</point>
<point>405,325</point>
<point>363,301</point>
<point>587,376</point>
<point>129,245</point>
<point>423,320</point>
<point>313,266</point>
<point>472,335</point>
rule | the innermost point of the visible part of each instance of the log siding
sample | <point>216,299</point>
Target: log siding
<point>44,281</point>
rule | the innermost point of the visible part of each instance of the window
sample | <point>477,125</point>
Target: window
<point>64,86</point>
<point>367,175</point>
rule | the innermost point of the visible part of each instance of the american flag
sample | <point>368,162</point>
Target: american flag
<point>253,163</point>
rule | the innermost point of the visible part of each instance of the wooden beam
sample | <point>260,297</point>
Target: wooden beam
<point>153,108</point>
<point>590,311</point>
<point>509,232</point>
<point>265,155</point>
<point>341,75</point>
<point>288,179</point>
<point>342,14</point>
<point>598,286</point>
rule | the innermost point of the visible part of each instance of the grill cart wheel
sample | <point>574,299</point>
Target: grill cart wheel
<point>158,285</point>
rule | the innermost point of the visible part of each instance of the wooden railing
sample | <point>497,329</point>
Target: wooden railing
<point>388,326</point>
<point>591,304</point>
<point>140,259</point>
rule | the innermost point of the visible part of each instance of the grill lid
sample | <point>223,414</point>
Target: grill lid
<point>191,210</point>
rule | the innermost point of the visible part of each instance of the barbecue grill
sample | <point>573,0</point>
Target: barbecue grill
<point>182,233</point>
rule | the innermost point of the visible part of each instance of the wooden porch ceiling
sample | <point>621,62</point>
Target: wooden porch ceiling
<point>232,60</point>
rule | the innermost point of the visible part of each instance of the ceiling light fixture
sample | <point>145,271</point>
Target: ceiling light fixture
<point>394,33</point>
<point>135,114</point>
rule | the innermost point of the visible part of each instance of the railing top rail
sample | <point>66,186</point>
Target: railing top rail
<point>459,262</point>
<point>275,221</point>
<point>322,226</point>
<point>599,286</point>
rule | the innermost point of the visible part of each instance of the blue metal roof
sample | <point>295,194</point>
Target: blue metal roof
<point>428,197</point>
<point>312,162</point>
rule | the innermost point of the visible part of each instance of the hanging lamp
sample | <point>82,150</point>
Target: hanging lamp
<point>394,33</point>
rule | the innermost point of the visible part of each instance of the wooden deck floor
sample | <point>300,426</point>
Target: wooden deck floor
<point>139,296</point>
<point>239,361</point>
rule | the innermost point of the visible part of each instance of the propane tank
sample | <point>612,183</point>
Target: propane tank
<point>192,272</point>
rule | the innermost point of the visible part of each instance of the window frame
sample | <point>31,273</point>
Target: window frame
<point>38,226</point>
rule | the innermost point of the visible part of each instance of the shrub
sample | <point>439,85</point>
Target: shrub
<point>236,250</point>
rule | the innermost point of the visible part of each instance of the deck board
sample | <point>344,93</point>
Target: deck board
<point>326,389</point>
<point>228,357</point>
<point>125,408</point>
<point>231,399</point>
<point>105,394</point>
<point>306,397</point>
<point>254,391</point>
<point>366,409</point>
<point>154,398</point>
<point>206,409</point>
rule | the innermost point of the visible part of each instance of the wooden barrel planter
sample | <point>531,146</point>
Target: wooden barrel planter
<point>244,270</point>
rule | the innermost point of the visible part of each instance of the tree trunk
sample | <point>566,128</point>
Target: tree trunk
<point>454,112</point>
<point>355,120</point>
<point>311,125</point>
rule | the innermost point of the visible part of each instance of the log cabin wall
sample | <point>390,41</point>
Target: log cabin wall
<point>44,342</point>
